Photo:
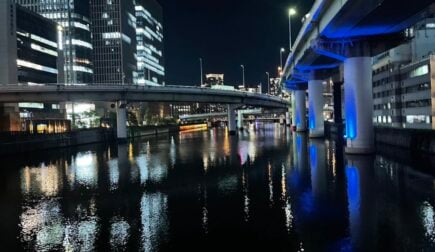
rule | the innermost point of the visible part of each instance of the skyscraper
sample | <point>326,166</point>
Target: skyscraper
<point>114,41</point>
<point>149,35</point>
<point>74,16</point>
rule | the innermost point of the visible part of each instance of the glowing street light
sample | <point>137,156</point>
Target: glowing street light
<point>243,75</point>
<point>280,56</point>
<point>291,13</point>
<point>200,69</point>
<point>268,82</point>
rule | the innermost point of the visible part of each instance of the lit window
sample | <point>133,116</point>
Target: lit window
<point>422,70</point>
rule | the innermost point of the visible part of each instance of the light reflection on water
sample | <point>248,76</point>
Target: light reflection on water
<point>263,189</point>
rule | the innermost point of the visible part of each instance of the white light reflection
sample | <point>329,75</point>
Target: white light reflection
<point>113,174</point>
<point>44,221</point>
<point>44,225</point>
<point>173,152</point>
<point>84,168</point>
<point>286,200</point>
<point>154,220</point>
<point>80,235</point>
<point>269,178</point>
<point>428,218</point>
<point>151,168</point>
<point>245,196</point>
<point>119,234</point>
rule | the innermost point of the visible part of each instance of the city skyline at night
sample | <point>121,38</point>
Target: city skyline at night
<point>217,125</point>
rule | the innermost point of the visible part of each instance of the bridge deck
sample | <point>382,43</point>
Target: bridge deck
<point>134,93</point>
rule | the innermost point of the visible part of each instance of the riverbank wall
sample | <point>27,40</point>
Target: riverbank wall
<point>419,141</point>
<point>21,142</point>
<point>414,140</point>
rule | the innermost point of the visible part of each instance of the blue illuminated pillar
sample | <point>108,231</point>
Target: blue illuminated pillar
<point>231,119</point>
<point>316,102</point>
<point>360,194</point>
<point>319,172</point>
<point>301,110</point>
<point>293,109</point>
<point>358,105</point>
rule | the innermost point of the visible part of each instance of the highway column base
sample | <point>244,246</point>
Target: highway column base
<point>316,101</point>
<point>121,121</point>
<point>293,110</point>
<point>359,105</point>
<point>239,120</point>
<point>231,119</point>
<point>301,111</point>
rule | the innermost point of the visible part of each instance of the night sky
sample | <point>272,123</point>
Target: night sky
<point>226,34</point>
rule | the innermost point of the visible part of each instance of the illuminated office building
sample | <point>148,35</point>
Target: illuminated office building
<point>149,35</point>
<point>29,54</point>
<point>73,16</point>
<point>114,41</point>
<point>404,82</point>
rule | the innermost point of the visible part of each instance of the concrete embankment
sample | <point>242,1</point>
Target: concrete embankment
<point>15,143</point>
<point>134,132</point>
<point>413,140</point>
<point>22,143</point>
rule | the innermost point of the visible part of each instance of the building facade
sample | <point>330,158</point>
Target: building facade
<point>275,86</point>
<point>30,54</point>
<point>404,81</point>
<point>74,17</point>
<point>213,80</point>
<point>114,41</point>
<point>150,49</point>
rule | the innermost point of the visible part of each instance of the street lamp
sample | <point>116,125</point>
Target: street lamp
<point>200,68</point>
<point>243,75</point>
<point>291,12</point>
<point>280,56</point>
<point>268,82</point>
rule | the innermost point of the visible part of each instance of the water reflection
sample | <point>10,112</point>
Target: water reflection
<point>265,189</point>
<point>154,220</point>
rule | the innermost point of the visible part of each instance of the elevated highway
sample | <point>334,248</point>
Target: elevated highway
<point>134,93</point>
<point>339,38</point>
<point>123,94</point>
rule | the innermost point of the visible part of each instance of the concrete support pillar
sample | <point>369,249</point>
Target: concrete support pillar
<point>358,105</point>
<point>293,109</point>
<point>239,120</point>
<point>301,110</point>
<point>287,118</point>
<point>316,104</point>
<point>121,121</point>
<point>231,119</point>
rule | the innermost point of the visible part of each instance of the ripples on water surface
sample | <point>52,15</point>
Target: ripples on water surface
<point>265,189</point>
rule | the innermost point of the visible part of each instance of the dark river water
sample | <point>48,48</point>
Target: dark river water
<point>263,190</point>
